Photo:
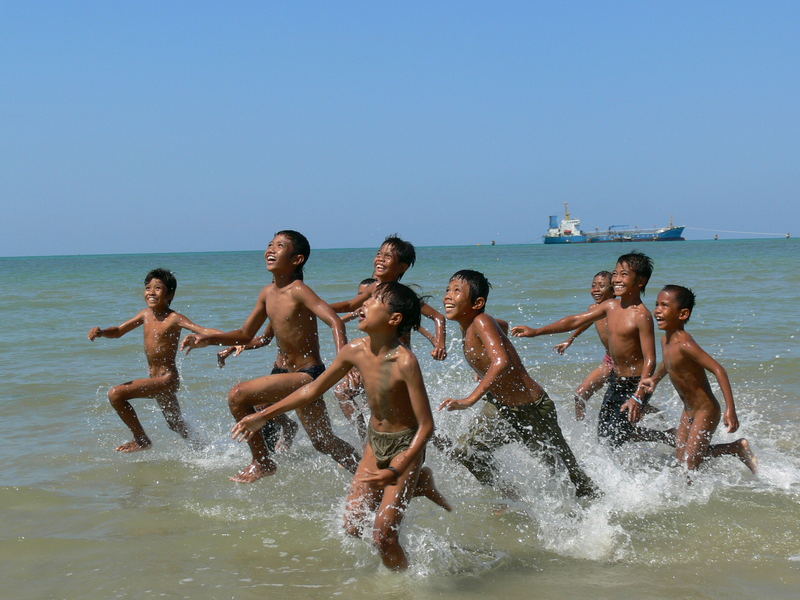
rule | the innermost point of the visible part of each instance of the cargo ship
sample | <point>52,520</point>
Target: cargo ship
<point>569,231</point>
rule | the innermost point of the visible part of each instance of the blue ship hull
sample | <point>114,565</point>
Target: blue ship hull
<point>671,234</point>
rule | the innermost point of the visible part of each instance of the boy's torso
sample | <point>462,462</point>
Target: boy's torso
<point>295,327</point>
<point>161,336</point>
<point>688,376</point>
<point>623,337</point>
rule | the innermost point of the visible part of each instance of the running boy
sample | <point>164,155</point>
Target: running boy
<point>400,425</point>
<point>516,408</point>
<point>631,345</point>
<point>162,327</point>
<point>686,364</point>
<point>601,291</point>
<point>292,307</point>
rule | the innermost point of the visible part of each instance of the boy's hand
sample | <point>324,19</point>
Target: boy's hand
<point>730,420</point>
<point>634,410</point>
<point>193,341</point>
<point>94,332</point>
<point>523,331</point>
<point>580,409</point>
<point>380,478</point>
<point>249,425</point>
<point>561,348</point>
<point>647,386</point>
<point>439,353</point>
<point>455,404</point>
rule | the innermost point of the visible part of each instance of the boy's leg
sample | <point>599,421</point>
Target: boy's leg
<point>168,401</point>
<point>362,497</point>
<point>475,449</point>
<point>242,400</point>
<point>537,426</point>
<point>119,397</point>
<point>593,382</point>
<point>317,424</point>
<point>681,435</point>
<point>740,449</point>
<point>702,427</point>
<point>386,530</point>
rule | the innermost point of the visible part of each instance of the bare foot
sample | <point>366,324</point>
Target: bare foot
<point>134,446</point>
<point>287,436</point>
<point>253,472</point>
<point>426,487</point>
<point>746,455</point>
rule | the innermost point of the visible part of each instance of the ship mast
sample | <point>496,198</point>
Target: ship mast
<point>566,211</point>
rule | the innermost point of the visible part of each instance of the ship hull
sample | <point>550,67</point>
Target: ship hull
<point>669,234</point>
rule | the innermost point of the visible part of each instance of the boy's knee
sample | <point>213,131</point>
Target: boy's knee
<point>235,396</point>
<point>351,527</point>
<point>384,540</point>
<point>115,396</point>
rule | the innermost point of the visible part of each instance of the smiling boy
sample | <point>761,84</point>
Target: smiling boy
<point>686,364</point>
<point>631,345</point>
<point>293,309</point>
<point>162,327</point>
<point>391,471</point>
<point>516,408</point>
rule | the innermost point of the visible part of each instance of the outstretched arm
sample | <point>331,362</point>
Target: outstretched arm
<point>119,331</point>
<point>489,333</point>
<point>595,313</point>
<point>232,338</point>
<point>562,347</point>
<point>439,351</point>
<point>252,424</point>
<point>647,385</point>
<point>705,360</point>
<point>346,306</point>
<point>186,323</point>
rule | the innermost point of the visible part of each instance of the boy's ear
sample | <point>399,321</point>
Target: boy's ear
<point>684,314</point>
<point>395,319</point>
<point>480,303</point>
<point>298,259</point>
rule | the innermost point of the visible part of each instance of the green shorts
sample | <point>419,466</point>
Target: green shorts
<point>387,445</point>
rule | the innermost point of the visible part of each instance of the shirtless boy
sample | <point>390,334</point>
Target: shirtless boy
<point>400,425</point>
<point>631,345</point>
<point>686,364</point>
<point>162,327</point>
<point>292,307</point>
<point>516,408</point>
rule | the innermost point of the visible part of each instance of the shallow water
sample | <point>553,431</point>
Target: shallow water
<point>81,521</point>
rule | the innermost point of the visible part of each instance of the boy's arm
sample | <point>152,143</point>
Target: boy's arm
<point>647,341</point>
<point>350,305</point>
<point>119,331</point>
<point>595,313</point>
<point>647,385</point>
<point>696,353</point>
<point>257,342</point>
<point>243,335</point>
<point>439,351</point>
<point>427,335</point>
<point>252,424</point>
<point>325,312</point>
<point>412,375</point>
<point>489,334</point>
<point>561,348</point>
<point>186,323</point>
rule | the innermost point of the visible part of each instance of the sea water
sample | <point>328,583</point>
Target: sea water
<point>82,521</point>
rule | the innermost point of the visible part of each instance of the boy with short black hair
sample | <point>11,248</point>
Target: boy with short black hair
<point>162,327</point>
<point>516,407</point>
<point>391,471</point>
<point>293,309</point>
<point>631,345</point>
<point>686,364</point>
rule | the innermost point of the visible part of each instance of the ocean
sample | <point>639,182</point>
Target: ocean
<point>83,521</point>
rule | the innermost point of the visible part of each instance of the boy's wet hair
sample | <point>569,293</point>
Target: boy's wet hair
<point>368,281</point>
<point>640,263</point>
<point>606,274</point>
<point>300,246</point>
<point>401,299</point>
<point>405,250</point>
<point>683,295</point>
<point>479,286</point>
<point>163,275</point>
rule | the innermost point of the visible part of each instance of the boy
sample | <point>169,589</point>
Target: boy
<point>686,363</point>
<point>517,408</point>
<point>162,327</point>
<point>400,424</point>
<point>631,345</point>
<point>292,307</point>
<point>600,291</point>
<point>394,258</point>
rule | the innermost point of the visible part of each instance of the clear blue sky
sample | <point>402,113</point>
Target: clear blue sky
<point>194,126</point>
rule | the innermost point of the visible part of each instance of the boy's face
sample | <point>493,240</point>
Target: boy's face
<point>156,294</point>
<point>387,264</point>
<point>625,281</point>
<point>601,289</point>
<point>375,315</point>
<point>667,314</point>
<point>280,255</point>
<point>457,300</point>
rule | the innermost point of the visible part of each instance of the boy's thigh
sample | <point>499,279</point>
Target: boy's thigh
<point>395,500</point>
<point>536,422</point>
<point>271,388</point>
<point>698,437</point>
<point>487,432</point>
<point>362,496</point>
<point>149,387</point>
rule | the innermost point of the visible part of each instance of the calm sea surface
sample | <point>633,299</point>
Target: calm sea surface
<point>82,521</point>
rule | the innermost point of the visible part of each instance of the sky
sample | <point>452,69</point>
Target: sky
<point>144,126</point>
